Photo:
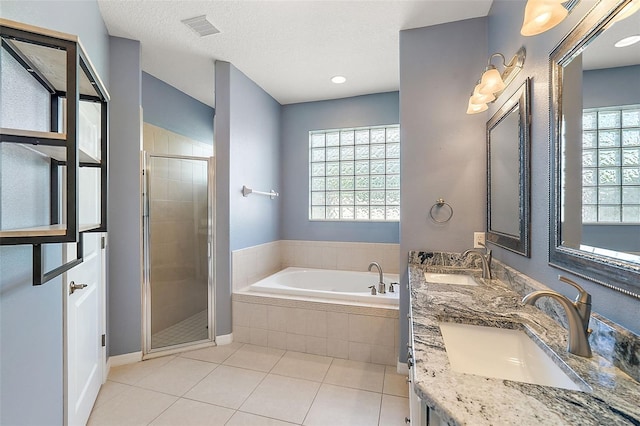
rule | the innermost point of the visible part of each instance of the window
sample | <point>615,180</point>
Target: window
<point>354,174</point>
<point>611,165</point>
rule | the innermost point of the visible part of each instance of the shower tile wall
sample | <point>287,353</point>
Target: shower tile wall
<point>175,268</point>
<point>157,140</point>
<point>254,263</point>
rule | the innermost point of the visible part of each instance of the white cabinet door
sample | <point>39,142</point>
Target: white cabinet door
<point>416,409</point>
<point>84,326</point>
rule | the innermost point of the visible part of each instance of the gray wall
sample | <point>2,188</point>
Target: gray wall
<point>124,259</point>
<point>613,237</point>
<point>611,87</point>
<point>31,381</point>
<point>255,162</point>
<point>443,148</point>
<point>505,19</point>
<point>169,108</point>
<point>222,140</point>
<point>247,144</point>
<point>297,121</point>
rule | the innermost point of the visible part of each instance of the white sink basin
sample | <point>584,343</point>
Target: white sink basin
<point>503,354</point>
<point>458,279</point>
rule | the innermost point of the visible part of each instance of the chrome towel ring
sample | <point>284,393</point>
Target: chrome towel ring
<point>436,208</point>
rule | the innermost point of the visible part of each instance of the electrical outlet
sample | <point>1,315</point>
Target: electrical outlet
<point>478,237</point>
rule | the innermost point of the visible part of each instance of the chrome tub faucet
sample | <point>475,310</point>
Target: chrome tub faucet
<point>578,314</point>
<point>381,285</point>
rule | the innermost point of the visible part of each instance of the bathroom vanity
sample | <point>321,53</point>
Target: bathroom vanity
<point>564,389</point>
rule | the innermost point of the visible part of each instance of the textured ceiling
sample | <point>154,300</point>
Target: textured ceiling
<point>290,48</point>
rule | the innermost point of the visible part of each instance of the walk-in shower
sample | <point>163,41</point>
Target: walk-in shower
<point>178,251</point>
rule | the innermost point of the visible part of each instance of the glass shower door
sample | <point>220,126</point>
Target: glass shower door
<point>178,249</point>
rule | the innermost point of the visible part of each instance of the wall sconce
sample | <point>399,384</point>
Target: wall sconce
<point>542,15</point>
<point>492,83</point>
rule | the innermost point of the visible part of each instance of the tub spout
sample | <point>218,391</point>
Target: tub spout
<point>381,285</point>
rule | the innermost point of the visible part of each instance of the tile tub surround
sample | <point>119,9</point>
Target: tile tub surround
<point>255,263</point>
<point>469,399</point>
<point>611,341</point>
<point>354,332</point>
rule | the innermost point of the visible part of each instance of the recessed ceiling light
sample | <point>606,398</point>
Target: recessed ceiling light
<point>338,79</point>
<point>628,41</point>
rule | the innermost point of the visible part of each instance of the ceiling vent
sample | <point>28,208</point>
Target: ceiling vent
<point>201,26</point>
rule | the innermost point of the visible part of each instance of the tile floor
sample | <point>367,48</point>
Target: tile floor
<point>249,385</point>
<point>192,329</point>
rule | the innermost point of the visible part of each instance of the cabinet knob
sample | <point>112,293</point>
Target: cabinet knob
<point>407,420</point>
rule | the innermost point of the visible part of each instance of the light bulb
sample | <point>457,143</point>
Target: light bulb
<point>543,18</point>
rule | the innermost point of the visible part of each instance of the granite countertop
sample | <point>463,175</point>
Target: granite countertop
<point>466,399</point>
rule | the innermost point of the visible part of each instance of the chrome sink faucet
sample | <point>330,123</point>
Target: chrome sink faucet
<point>578,314</point>
<point>381,285</point>
<point>484,257</point>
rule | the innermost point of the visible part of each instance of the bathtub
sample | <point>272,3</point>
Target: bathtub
<point>347,286</point>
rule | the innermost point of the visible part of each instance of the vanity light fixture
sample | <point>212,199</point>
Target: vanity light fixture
<point>542,15</point>
<point>492,83</point>
<point>628,41</point>
<point>338,79</point>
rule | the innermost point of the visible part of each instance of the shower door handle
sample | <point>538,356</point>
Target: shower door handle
<point>73,287</point>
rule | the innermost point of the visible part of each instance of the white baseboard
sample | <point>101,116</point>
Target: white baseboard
<point>402,368</point>
<point>225,339</point>
<point>130,358</point>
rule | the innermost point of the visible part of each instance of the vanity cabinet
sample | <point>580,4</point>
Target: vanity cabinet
<point>53,143</point>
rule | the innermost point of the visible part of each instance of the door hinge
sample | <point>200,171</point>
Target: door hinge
<point>104,340</point>
<point>104,242</point>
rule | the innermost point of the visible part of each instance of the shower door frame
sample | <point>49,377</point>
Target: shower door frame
<point>147,350</point>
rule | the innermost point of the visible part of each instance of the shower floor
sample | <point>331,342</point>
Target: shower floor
<point>191,329</point>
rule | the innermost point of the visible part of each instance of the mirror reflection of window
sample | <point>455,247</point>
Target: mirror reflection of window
<point>595,147</point>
